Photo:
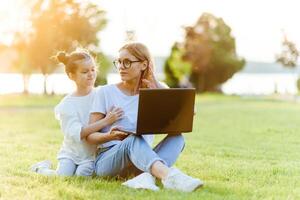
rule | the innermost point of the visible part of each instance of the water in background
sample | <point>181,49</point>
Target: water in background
<point>240,83</point>
<point>261,84</point>
<point>57,83</point>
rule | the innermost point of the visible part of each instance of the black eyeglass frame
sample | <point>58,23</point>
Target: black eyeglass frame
<point>117,63</point>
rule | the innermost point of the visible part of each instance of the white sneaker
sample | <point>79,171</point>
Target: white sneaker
<point>46,164</point>
<point>177,180</point>
<point>142,181</point>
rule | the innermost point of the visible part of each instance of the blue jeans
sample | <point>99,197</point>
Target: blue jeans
<point>134,155</point>
<point>66,167</point>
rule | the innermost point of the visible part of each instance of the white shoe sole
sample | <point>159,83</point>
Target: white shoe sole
<point>195,185</point>
<point>140,187</point>
<point>44,163</point>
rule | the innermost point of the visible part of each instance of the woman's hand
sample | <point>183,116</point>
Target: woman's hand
<point>114,114</point>
<point>117,134</point>
<point>148,84</point>
<point>149,80</point>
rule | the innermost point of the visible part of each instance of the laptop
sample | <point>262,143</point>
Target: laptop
<point>162,111</point>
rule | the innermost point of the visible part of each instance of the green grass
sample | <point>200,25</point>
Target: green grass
<point>242,149</point>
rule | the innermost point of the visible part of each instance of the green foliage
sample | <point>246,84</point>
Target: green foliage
<point>242,149</point>
<point>104,66</point>
<point>289,54</point>
<point>175,68</point>
<point>59,25</point>
<point>298,85</point>
<point>210,48</point>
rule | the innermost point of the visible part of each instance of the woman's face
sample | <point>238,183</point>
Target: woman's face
<point>134,71</point>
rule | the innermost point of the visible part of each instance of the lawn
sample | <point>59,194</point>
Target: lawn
<point>243,148</point>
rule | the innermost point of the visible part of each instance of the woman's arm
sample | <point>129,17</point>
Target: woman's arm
<point>99,138</point>
<point>161,85</point>
<point>151,81</point>
<point>154,84</point>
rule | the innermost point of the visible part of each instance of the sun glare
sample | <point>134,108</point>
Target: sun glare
<point>13,15</point>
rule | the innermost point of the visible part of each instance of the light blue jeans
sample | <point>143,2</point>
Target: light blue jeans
<point>134,155</point>
<point>66,167</point>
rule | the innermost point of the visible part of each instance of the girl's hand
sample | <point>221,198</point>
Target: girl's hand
<point>113,115</point>
<point>117,134</point>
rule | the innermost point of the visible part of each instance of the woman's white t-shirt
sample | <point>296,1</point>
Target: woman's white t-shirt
<point>73,114</point>
<point>110,95</point>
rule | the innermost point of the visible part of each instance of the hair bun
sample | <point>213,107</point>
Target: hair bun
<point>62,57</point>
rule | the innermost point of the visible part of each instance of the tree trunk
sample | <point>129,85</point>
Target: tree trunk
<point>26,78</point>
<point>298,84</point>
<point>45,83</point>
<point>201,82</point>
<point>198,81</point>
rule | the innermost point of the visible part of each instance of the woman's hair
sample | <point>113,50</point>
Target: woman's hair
<point>141,52</point>
<point>75,58</point>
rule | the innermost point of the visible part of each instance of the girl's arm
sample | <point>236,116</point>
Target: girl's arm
<point>99,138</point>
<point>97,123</point>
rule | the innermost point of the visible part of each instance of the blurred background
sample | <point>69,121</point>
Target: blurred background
<point>231,47</point>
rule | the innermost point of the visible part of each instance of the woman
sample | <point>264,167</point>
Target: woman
<point>119,153</point>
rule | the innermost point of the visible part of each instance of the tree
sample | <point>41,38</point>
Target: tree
<point>210,49</point>
<point>22,64</point>
<point>289,55</point>
<point>61,25</point>
<point>104,66</point>
<point>175,68</point>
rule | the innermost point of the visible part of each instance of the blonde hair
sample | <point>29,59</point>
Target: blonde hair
<point>141,52</point>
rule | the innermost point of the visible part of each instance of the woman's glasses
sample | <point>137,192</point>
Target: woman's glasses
<point>126,63</point>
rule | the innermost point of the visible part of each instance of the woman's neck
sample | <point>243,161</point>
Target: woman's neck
<point>129,87</point>
<point>82,91</point>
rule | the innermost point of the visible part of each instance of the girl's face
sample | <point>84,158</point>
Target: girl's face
<point>133,72</point>
<point>85,75</point>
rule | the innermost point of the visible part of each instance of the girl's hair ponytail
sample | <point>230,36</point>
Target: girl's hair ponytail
<point>63,57</point>
<point>72,60</point>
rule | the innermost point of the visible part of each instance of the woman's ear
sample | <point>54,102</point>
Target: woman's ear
<point>144,65</point>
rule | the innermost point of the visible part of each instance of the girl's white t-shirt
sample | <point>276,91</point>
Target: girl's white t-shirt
<point>110,95</point>
<point>73,114</point>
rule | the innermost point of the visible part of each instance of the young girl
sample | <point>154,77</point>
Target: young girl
<point>76,156</point>
<point>121,154</point>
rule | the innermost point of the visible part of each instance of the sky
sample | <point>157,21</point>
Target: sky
<point>256,24</point>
